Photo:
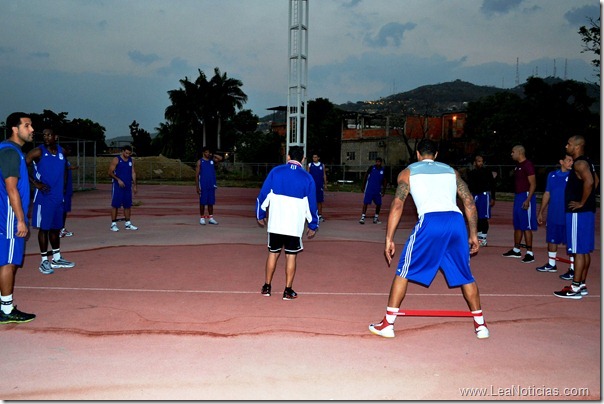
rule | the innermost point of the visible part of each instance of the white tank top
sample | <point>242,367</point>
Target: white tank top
<point>433,186</point>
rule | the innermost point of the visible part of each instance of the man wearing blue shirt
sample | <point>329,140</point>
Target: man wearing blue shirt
<point>14,204</point>
<point>288,198</point>
<point>374,185</point>
<point>553,203</point>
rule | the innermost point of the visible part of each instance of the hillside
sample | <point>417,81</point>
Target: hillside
<point>437,99</point>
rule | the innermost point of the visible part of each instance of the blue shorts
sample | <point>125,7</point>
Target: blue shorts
<point>320,195</point>
<point>12,251</point>
<point>483,205</point>
<point>292,245</point>
<point>67,204</point>
<point>121,197</point>
<point>47,215</point>
<point>555,233</point>
<point>375,197</point>
<point>207,196</point>
<point>438,241</point>
<point>525,219</point>
<point>580,230</point>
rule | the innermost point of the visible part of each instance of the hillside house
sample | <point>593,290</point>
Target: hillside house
<point>366,136</point>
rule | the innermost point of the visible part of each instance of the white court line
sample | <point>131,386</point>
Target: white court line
<point>255,292</point>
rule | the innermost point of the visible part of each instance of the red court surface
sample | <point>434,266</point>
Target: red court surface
<point>174,311</point>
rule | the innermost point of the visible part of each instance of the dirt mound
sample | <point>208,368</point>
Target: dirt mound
<point>152,168</point>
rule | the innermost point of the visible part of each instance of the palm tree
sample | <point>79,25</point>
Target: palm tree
<point>225,95</point>
<point>203,104</point>
<point>188,107</point>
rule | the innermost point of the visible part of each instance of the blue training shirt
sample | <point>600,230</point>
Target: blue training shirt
<point>556,185</point>
<point>289,193</point>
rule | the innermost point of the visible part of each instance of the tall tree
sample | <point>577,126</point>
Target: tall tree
<point>188,113</point>
<point>591,42</point>
<point>200,107</point>
<point>324,130</point>
<point>225,96</point>
<point>141,139</point>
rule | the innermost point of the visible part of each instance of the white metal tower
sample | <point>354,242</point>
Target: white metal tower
<point>298,74</point>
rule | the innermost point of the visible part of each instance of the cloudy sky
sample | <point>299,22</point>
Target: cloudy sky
<point>113,61</point>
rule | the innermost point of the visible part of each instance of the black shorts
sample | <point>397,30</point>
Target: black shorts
<point>276,242</point>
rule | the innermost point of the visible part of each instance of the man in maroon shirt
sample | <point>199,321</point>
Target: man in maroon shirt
<point>525,205</point>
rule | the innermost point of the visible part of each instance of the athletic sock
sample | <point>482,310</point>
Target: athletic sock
<point>391,314</point>
<point>516,250</point>
<point>56,254</point>
<point>529,252</point>
<point>7,303</point>
<point>45,255</point>
<point>478,317</point>
<point>552,258</point>
<point>575,286</point>
<point>572,263</point>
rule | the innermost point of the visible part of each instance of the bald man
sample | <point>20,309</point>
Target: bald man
<point>525,205</point>
<point>580,201</point>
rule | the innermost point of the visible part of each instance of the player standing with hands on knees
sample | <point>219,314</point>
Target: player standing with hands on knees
<point>288,196</point>
<point>439,239</point>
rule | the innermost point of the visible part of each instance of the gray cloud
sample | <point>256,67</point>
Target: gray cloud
<point>492,7</point>
<point>4,51</point>
<point>40,55</point>
<point>143,59</point>
<point>390,34</point>
<point>177,67</point>
<point>580,16</point>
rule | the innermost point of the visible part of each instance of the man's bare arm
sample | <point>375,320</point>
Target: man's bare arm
<point>470,210</point>
<point>396,211</point>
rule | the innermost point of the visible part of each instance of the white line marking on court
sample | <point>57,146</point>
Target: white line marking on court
<point>256,292</point>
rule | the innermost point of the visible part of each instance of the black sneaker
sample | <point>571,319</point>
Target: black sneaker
<point>568,293</point>
<point>266,289</point>
<point>528,258</point>
<point>512,254</point>
<point>568,276</point>
<point>289,294</point>
<point>15,316</point>
<point>547,268</point>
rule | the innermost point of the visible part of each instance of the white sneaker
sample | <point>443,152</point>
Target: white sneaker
<point>202,221</point>
<point>130,226</point>
<point>383,329</point>
<point>481,330</point>
<point>65,233</point>
<point>212,221</point>
<point>114,227</point>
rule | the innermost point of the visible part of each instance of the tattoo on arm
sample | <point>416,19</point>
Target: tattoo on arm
<point>402,191</point>
<point>468,202</point>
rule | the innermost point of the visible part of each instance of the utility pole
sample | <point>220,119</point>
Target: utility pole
<point>298,74</point>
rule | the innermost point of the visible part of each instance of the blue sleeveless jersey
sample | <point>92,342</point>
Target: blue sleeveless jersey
<point>207,174</point>
<point>123,171</point>
<point>50,169</point>
<point>317,171</point>
<point>8,221</point>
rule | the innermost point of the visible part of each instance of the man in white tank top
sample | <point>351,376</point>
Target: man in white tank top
<point>439,240</point>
